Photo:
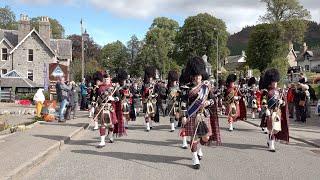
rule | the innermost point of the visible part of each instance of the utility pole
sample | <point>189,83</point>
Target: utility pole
<point>82,52</point>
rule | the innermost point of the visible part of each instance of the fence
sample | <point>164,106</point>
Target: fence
<point>8,96</point>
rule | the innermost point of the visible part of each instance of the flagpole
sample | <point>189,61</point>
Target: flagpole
<point>82,52</point>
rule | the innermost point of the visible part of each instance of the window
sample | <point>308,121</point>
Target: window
<point>30,55</point>
<point>4,55</point>
<point>306,67</point>
<point>30,75</point>
<point>4,71</point>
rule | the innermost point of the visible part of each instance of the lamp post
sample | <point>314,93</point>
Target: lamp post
<point>84,37</point>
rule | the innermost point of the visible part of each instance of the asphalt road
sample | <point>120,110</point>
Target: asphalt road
<point>157,155</point>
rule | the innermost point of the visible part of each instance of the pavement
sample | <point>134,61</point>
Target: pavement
<point>21,151</point>
<point>67,151</point>
<point>157,155</point>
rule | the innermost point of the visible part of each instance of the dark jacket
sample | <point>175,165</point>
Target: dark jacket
<point>62,91</point>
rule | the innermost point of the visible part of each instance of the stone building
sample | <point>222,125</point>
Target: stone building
<point>29,52</point>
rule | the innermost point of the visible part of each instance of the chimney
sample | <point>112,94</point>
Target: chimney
<point>305,47</point>
<point>23,27</point>
<point>44,29</point>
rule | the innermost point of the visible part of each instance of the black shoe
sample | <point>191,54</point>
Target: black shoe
<point>61,121</point>
<point>196,166</point>
<point>99,146</point>
<point>184,147</point>
<point>111,141</point>
<point>171,131</point>
<point>147,130</point>
<point>272,150</point>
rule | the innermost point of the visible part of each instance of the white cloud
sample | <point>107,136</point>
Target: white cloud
<point>236,13</point>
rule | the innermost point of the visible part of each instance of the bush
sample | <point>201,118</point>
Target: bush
<point>27,96</point>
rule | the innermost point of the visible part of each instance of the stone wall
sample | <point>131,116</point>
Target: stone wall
<point>41,55</point>
<point>5,64</point>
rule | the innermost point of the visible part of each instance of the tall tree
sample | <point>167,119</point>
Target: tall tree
<point>265,44</point>
<point>291,14</point>
<point>159,43</point>
<point>57,30</point>
<point>7,19</point>
<point>198,36</point>
<point>114,56</point>
<point>92,49</point>
<point>134,47</point>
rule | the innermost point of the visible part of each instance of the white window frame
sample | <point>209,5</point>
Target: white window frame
<point>2,54</point>
<point>30,54</point>
<point>30,71</point>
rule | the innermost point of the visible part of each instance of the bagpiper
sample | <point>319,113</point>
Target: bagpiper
<point>276,113</point>
<point>231,99</point>
<point>105,110</point>
<point>149,96</point>
<point>255,97</point>
<point>197,123</point>
<point>173,94</point>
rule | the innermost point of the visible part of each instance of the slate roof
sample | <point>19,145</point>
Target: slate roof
<point>62,47</point>
<point>233,62</point>
<point>314,54</point>
<point>10,35</point>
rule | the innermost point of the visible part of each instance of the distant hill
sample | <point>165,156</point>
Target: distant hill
<point>239,41</point>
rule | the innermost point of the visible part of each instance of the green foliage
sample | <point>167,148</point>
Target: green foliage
<point>114,56</point>
<point>134,47</point>
<point>26,96</point>
<point>284,10</point>
<point>282,65</point>
<point>159,45</point>
<point>198,36</point>
<point>7,19</point>
<point>256,73</point>
<point>90,68</point>
<point>57,30</point>
<point>265,44</point>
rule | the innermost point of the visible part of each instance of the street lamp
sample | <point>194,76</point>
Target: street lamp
<point>84,37</point>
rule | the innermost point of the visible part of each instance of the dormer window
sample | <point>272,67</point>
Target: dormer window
<point>30,55</point>
<point>4,54</point>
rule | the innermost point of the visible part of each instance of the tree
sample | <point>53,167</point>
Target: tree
<point>7,19</point>
<point>159,44</point>
<point>92,49</point>
<point>198,36</point>
<point>282,65</point>
<point>91,67</point>
<point>265,44</point>
<point>134,47</point>
<point>57,30</point>
<point>291,14</point>
<point>114,56</point>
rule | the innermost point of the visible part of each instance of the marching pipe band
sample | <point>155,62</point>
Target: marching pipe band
<point>193,104</point>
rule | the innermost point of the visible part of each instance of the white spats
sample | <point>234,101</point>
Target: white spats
<point>271,146</point>
<point>230,127</point>
<point>184,142</point>
<point>102,141</point>
<point>200,153</point>
<point>91,112</point>
<point>148,126</point>
<point>253,116</point>
<point>172,127</point>
<point>96,125</point>
<point>195,160</point>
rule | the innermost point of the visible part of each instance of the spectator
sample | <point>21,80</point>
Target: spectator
<point>290,99</point>
<point>62,96</point>
<point>84,93</point>
<point>39,98</point>
<point>302,78</point>
<point>300,102</point>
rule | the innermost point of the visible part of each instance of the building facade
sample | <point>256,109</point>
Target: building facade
<point>29,52</point>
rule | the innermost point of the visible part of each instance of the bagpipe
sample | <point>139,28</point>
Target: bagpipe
<point>276,112</point>
<point>125,94</point>
<point>150,100</point>
<point>231,100</point>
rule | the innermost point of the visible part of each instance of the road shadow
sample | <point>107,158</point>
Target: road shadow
<point>67,140</point>
<point>244,146</point>
<point>64,124</point>
<point>133,157</point>
<point>167,143</point>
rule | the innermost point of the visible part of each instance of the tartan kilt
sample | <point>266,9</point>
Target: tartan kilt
<point>191,126</point>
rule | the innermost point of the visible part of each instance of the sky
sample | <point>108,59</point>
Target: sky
<point>110,20</point>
